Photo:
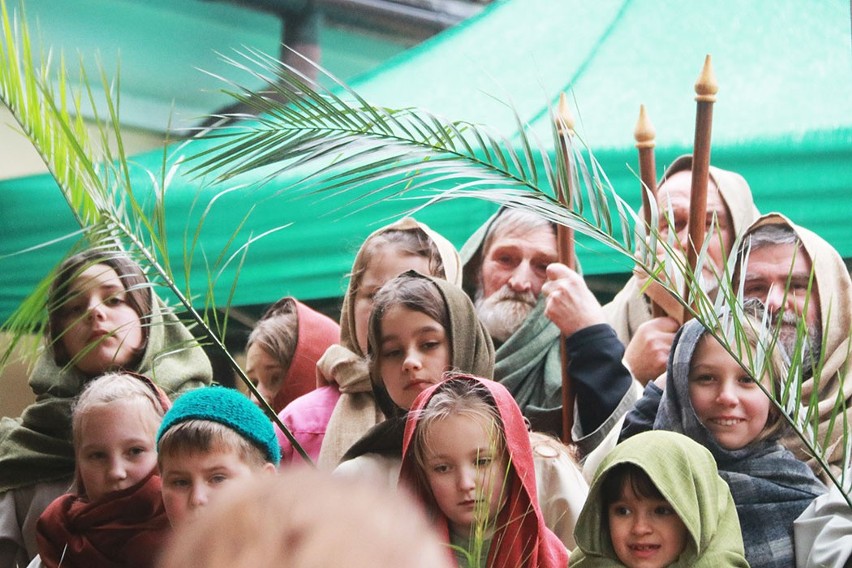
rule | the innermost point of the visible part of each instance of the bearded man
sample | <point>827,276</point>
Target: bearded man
<point>508,263</point>
<point>803,281</point>
<point>730,210</point>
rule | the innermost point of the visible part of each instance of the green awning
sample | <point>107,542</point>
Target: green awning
<point>783,119</point>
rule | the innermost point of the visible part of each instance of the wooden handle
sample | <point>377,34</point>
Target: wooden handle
<point>705,95</point>
<point>565,247</point>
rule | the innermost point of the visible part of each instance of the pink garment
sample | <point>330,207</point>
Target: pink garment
<point>307,418</point>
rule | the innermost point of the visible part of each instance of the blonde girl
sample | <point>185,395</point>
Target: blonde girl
<point>467,455</point>
<point>115,516</point>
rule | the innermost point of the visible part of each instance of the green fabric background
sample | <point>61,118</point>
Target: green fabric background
<point>783,119</point>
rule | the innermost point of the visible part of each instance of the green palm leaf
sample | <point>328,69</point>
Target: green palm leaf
<point>345,145</point>
<point>96,182</point>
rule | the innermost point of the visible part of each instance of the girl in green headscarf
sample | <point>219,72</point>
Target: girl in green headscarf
<point>657,500</point>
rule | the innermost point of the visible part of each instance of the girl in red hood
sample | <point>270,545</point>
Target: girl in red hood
<point>467,455</point>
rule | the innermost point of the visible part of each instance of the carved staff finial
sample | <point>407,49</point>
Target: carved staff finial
<point>705,95</point>
<point>645,137</point>
<point>564,123</point>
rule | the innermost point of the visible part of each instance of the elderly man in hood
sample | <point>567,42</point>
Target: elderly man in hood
<point>730,210</point>
<point>520,294</point>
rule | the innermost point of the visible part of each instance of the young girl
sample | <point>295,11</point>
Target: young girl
<point>421,327</point>
<point>327,421</point>
<point>283,349</point>
<point>657,500</point>
<point>713,400</point>
<point>467,455</point>
<point>115,516</point>
<point>102,316</point>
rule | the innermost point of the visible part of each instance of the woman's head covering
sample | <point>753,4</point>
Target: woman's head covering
<point>734,189</point>
<point>314,333</point>
<point>737,197</point>
<point>685,474</point>
<point>471,352</point>
<point>446,250</point>
<point>521,538</point>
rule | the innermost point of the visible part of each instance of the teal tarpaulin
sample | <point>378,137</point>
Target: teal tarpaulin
<point>783,119</point>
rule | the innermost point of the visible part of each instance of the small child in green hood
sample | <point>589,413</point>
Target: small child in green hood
<point>657,500</point>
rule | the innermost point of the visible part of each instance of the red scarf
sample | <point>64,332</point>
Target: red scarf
<point>521,539</point>
<point>126,528</point>
<point>316,333</point>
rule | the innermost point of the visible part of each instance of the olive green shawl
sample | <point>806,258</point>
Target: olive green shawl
<point>37,447</point>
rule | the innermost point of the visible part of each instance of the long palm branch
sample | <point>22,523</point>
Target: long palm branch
<point>342,144</point>
<point>97,183</point>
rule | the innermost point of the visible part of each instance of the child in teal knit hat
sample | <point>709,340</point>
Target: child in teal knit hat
<point>211,439</point>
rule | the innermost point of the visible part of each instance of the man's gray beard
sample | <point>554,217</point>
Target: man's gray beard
<point>811,346</point>
<point>503,312</point>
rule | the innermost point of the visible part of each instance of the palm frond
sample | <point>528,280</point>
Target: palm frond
<point>94,179</point>
<point>345,145</point>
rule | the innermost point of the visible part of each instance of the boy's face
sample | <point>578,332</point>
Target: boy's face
<point>645,533</point>
<point>466,470</point>
<point>727,401</point>
<point>190,481</point>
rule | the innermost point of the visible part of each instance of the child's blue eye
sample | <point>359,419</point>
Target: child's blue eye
<point>178,483</point>
<point>218,478</point>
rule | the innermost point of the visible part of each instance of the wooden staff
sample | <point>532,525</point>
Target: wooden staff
<point>565,248</point>
<point>645,137</point>
<point>705,95</point>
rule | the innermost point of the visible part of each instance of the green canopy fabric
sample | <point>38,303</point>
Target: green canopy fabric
<point>783,119</point>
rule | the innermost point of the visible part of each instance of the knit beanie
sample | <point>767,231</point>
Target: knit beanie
<point>227,407</point>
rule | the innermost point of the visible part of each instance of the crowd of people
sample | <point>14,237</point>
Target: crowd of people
<point>433,413</point>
